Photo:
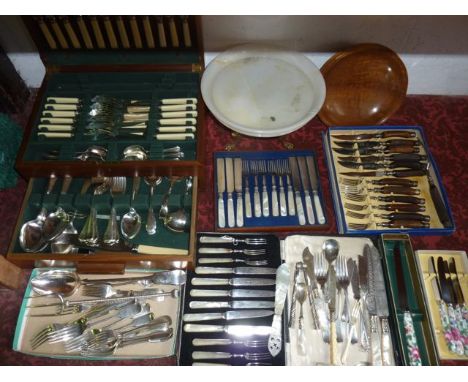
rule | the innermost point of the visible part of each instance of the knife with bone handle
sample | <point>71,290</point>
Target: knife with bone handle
<point>59,106</point>
<point>404,216</point>
<point>59,135</point>
<point>230,189</point>
<point>59,114</point>
<point>232,330</point>
<point>177,121</point>
<point>181,107</point>
<point>228,315</point>
<point>239,304</point>
<point>383,135</point>
<point>236,281</point>
<point>221,183</point>
<point>57,121</point>
<point>175,129</point>
<point>56,128</point>
<point>179,101</point>
<point>386,165</point>
<point>404,224</point>
<point>234,293</point>
<point>297,190</point>
<point>376,151</point>
<point>399,207</point>
<point>313,177</point>
<point>238,188</point>
<point>307,188</point>
<point>237,270</point>
<point>62,100</point>
<point>385,158</point>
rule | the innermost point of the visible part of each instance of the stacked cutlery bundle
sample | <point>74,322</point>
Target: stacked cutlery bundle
<point>177,119</point>
<point>337,305</point>
<point>267,189</point>
<point>59,117</point>
<point>135,315</point>
<point>231,301</point>
<point>384,179</point>
<point>445,287</point>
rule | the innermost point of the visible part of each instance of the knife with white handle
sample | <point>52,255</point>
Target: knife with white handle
<point>179,114</point>
<point>232,330</point>
<point>297,190</point>
<point>56,128</point>
<point>236,281</point>
<point>238,187</point>
<point>55,134</point>
<point>228,315</point>
<point>176,129</point>
<point>177,121</point>
<point>220,177</point>
<point>57,121</point>
<point>57,106</point>
<point>237,270</point>
<point>234,293</point>
<point>178,101</point>
<point>63,99</point>
<point>239,304</point>
<point>175,137</point>
<point>181,107</point>
<point>61,113</point>
<point>306,182</point>
<point>314,185</point>
<point>230,189</point>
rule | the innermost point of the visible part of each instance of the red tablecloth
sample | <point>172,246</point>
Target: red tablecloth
<point>445,122</point>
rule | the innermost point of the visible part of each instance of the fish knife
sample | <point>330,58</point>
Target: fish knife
<point>234,293</point>
<point>297,189</point>
<point>230,190</point>
<point>237,270</point>
<point>228,315</point>
<point>236,281</point>
<point>307,189</point>
<point>238,188</point>
<point>237,304</point>
<point>220,177</point>
<point>314,185</point>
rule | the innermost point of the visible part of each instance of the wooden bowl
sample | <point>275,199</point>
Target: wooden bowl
<point>365,85</point>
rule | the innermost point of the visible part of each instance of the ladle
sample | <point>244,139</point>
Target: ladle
<point>151,226</point>
<point>177,221</point>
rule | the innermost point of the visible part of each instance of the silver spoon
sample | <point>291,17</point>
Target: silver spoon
<point>151,226</point>
<point>55,282</point>
<point>177,221</point>
<point>164,210</point>
<point>330,249</point>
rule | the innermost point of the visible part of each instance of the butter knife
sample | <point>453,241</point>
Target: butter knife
<point>237,270</point>
<point>236,281</point>
<point>220,176</point>
<point>228,315</point>
<point>234,293</point>
<point>230,190</point>
<point>238,188</point>
<point>282,284</point>
<point>306,183</point>
<point>314,185</point>
<point>239,304</point>
<point>297,190</point>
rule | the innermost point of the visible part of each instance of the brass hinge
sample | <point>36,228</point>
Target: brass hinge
<point>196,68</point>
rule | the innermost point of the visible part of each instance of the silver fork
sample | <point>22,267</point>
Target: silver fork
<point>218,260</point>
<point>228,342</point>
<point>245,175</point>
<point>282,196</point>
<point>225,355</point>
<point>57,333</point>
<point>321,270</point>
<point>352,327</point>
<point>350,181</point>
<point>355,197</point>
<point>343,281</point>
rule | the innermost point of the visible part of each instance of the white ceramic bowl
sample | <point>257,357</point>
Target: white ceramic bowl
<point>262,91</point>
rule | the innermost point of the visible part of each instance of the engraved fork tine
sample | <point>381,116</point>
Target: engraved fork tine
<point>357,226</point>
<point>356,215</point>
<point>356,197</point>
<point>350,181</point>
<point>355,207</point>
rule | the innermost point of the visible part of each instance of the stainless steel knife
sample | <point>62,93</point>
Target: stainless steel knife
<point>240,304</point>
<point>314,184</point>
<point>236,281</point>
<point>238,188</point>
<point>282,285</point>
<point>307,188</point>
<point>230,189</point>
<point>234,293</point>
<point>297,189</point>
<point>364,336</point>
<point>221,182</point>
<point>228,315</point>
<point>232,330</point>
<point>381,304</point>
<point>237,270</point>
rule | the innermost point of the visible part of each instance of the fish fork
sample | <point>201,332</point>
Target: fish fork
<point>356,215</point>
<point>217,260</point>
<point>257,205</point>
<point>247,252</point>
<point>265,202</point>
<point>343,282</point>
<point>228,342</point>
<point>225,355</point>
<point>290,194</point>
<point>350,181</point>
<point>352,327</point>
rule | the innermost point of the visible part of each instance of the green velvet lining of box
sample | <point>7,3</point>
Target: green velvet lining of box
<point>73,200</point>
<point>149,87</point>
<point>417,315</point>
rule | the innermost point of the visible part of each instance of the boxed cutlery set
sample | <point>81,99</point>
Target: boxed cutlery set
<point>116,82</point>
<point>85,316</point>
<point>384,179</point>
<point>427,289</point>
<point>231,302</point>
<point>268,191</point>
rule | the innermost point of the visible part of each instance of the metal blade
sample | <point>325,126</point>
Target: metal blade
<point>238,174</point>
<point>402,296</point>
<point>229,175</point>
<point>220,175</point>
<point>371,296</point>
<point>236,281</point>
<point>363,269</point>
<point>253,304</point>
<point>308,260</point>
<point>444,287</point>
<point>366,165</point>
<point>238,270</point>
<point>295,173</point>
<point>312,173</point>
<point>242,304</point>
<point>239,293</point>
<point>379,285</point>
<point>350,137</point>
<point>233,330</point>
<point>354,276</point>
<point>456,282</point>
<point>242,315</point>
<point>303,172</point>
<point>331,290</point>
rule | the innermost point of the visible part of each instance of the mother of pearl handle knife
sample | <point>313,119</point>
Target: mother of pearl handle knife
<point>220,177</point>
<point>230,189</point>
<point>238,188</point>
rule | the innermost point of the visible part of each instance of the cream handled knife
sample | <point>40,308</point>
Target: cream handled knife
<point>306,182</point>
<point>236,281</point>
<point>232,330</point>
<point>228,315</point>
<point>275,342</point>
<point>238,187</point>
<point>237,270</point>
<point>239,304</point>
<point>230,190</point>
<point>314,185</point>
<point>221,182</point>
<point>297,190</point>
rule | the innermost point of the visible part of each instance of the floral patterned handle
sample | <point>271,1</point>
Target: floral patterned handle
<point>411,341</point>
<point>451,333</point>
